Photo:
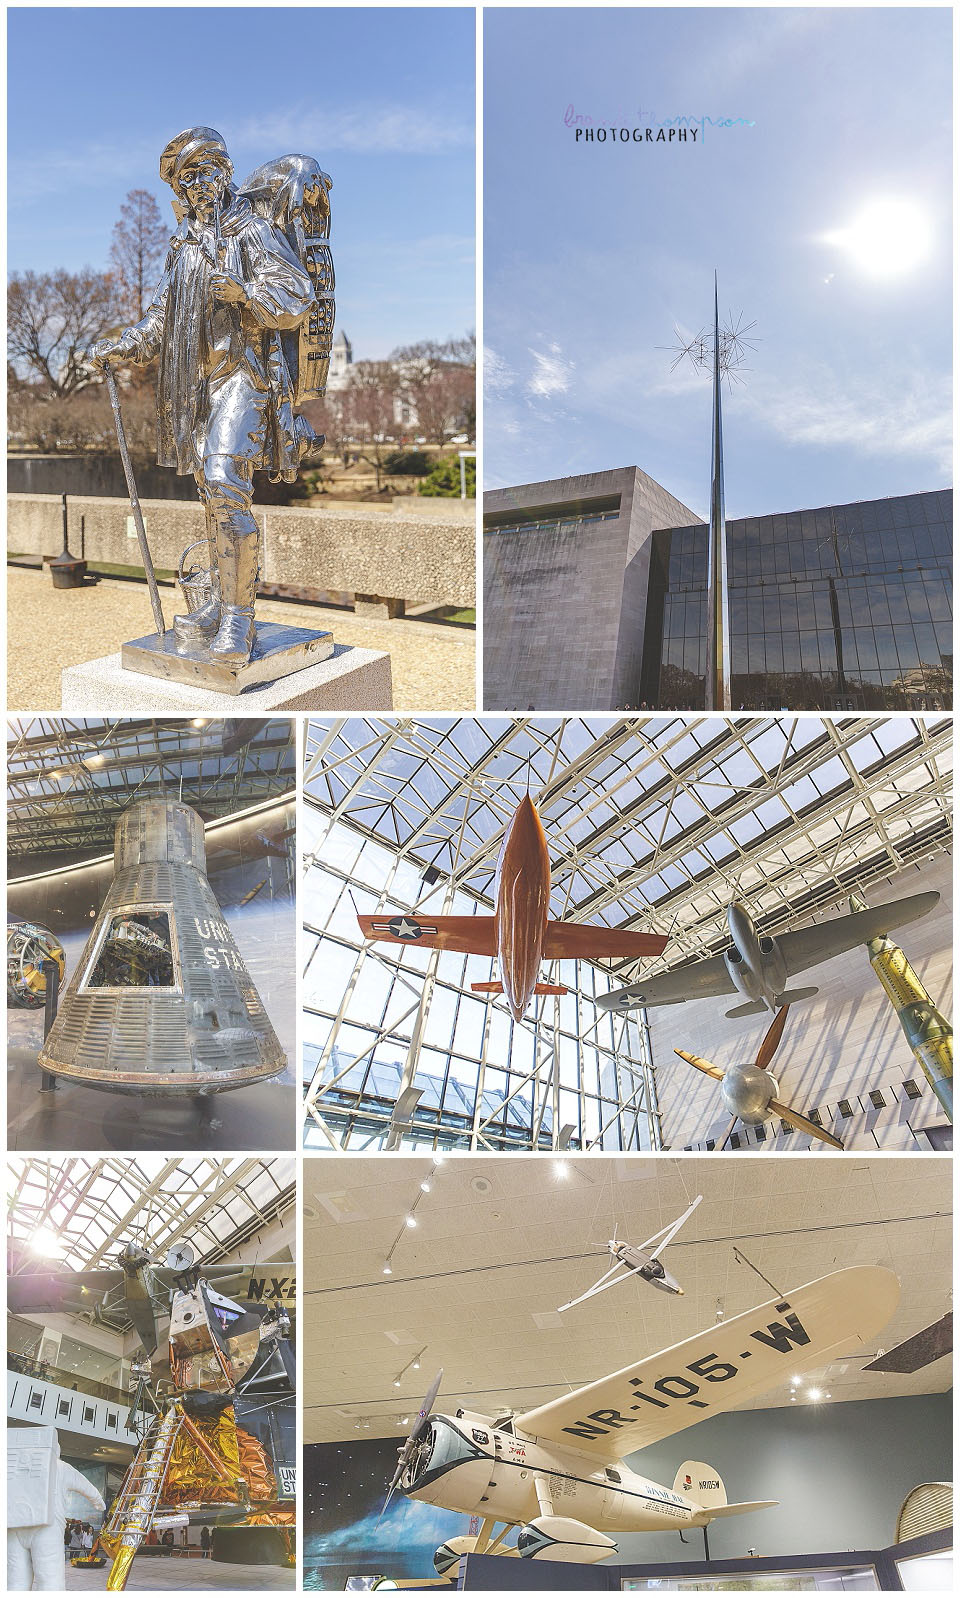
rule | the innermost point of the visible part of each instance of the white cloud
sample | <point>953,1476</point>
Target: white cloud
<point>879,418</point>
<point>380,129</point>
<point>374,129</point>
<point>552,374</point>
<point>498,376</point>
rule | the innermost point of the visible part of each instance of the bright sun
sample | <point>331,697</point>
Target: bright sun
<point>886,238</point>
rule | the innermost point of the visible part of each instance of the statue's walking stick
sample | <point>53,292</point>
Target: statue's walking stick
<point>145,555</point>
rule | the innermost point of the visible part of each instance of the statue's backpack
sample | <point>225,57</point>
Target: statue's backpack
<point>293,194</point>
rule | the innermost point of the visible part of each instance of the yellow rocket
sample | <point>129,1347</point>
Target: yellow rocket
<point>928,1033</point>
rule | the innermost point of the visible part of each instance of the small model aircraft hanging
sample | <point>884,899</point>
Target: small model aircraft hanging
<point>519,935</point>
<point>751,1094</point>
<point>642,1260</point>
<point>557,1471</point>
<point>760,967</point>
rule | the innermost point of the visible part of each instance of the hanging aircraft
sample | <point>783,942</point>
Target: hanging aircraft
<point>138,1289</point>
<point>218,1441</point>
<point>751,1094</point>
<point>634,1260</point>
<point>519,935</point>
<point>760,967</point>
<point>557,1471</point>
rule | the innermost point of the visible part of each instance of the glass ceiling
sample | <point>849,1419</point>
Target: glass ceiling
<point>79,1212</point>
<point>69,779</point>
<point>653,822</point>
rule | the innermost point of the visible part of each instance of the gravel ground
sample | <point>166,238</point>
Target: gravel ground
<point>49,628</point>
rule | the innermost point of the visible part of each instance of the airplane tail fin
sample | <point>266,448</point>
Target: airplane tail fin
<point>701,1484</point>
<point>703,1487</point>
<point>757,1006</point>
<point>549,987</point>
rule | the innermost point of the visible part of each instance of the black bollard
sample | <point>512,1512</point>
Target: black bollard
<point>51,995</point>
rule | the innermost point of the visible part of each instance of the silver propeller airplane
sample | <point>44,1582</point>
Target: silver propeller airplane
<point>751,1094</point>
<point>557,1471</point>
<point>760,967</point>
<point>633,1259</point>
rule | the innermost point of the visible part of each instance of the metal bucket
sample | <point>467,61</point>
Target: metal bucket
<point>196,580</point>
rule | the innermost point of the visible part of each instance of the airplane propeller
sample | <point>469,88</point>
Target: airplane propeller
<point>419,1431</point>
<point>749,1092</point>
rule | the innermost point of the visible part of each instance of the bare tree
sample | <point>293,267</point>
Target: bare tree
<point>139,246</point>
<point>39,420</point>
<point>330,416</point>
<point>370,397</point>
<point>52,319</point>
<point>438,382</point>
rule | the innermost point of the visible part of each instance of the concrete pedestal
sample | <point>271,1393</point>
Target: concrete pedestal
<point>350,679</point>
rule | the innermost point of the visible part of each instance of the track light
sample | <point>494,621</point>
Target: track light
<point>425,1187</point>
<point>387,1268</point>
<point>410,1220</point>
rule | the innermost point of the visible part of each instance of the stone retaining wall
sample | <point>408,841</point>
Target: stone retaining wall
<point>349,548</point>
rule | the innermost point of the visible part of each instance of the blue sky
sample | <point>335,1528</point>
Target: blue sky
<point>593,252</point>
<point>383,97</point>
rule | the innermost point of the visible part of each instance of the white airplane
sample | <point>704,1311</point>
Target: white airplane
<point>557,1471</point>
<point>631,1259</point>
<point>760,967</point>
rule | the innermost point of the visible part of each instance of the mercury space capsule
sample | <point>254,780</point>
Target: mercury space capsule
<point>161,1002</point>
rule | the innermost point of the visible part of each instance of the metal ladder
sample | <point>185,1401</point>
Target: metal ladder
<point>133,1510</point>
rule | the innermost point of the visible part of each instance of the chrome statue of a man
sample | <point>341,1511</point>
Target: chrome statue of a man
<point>242,321</point>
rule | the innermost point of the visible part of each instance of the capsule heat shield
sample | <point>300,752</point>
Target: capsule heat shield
<point>161,1002</point>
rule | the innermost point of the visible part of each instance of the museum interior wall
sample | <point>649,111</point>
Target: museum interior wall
<point>839,1471</point>
<point>847,1040</point>
<point>250,863</point>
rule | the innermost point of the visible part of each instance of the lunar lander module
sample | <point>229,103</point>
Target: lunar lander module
<point>219,1447</point>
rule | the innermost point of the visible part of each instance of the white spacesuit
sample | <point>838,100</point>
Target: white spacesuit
<point>42,1490</point>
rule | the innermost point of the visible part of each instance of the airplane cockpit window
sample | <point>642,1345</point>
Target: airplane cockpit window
<point>613,1475</point>
<point>136,951</point>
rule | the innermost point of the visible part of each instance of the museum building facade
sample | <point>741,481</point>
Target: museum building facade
<point>593,603</point>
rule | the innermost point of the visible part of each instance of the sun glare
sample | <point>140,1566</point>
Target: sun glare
<point>888,237</point>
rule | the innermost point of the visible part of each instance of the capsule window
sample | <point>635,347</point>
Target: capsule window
<point>136,950</point>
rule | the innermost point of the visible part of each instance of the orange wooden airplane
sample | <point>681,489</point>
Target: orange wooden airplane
<point>519,934</point>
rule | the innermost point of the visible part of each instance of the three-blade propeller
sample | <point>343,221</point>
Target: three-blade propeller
<point>419,1431</point>
<point>753,1096</point>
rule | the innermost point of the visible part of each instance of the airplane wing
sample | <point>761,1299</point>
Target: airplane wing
<point>265,1281</point>
<point>719,1368</point>
<point>701,979</point>
<point>810,945</point>
<point>462,934</point>
<point>62,1290</point>
<point>577,940</point>
<point>668,1233</point>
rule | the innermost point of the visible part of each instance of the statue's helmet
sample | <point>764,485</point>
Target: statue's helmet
<point>185,149</point>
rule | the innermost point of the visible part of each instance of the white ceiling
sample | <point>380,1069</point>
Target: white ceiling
<point>500,1242</point>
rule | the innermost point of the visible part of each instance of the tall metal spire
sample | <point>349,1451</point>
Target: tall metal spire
<point>723,352</point>
<point>718,595</point>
